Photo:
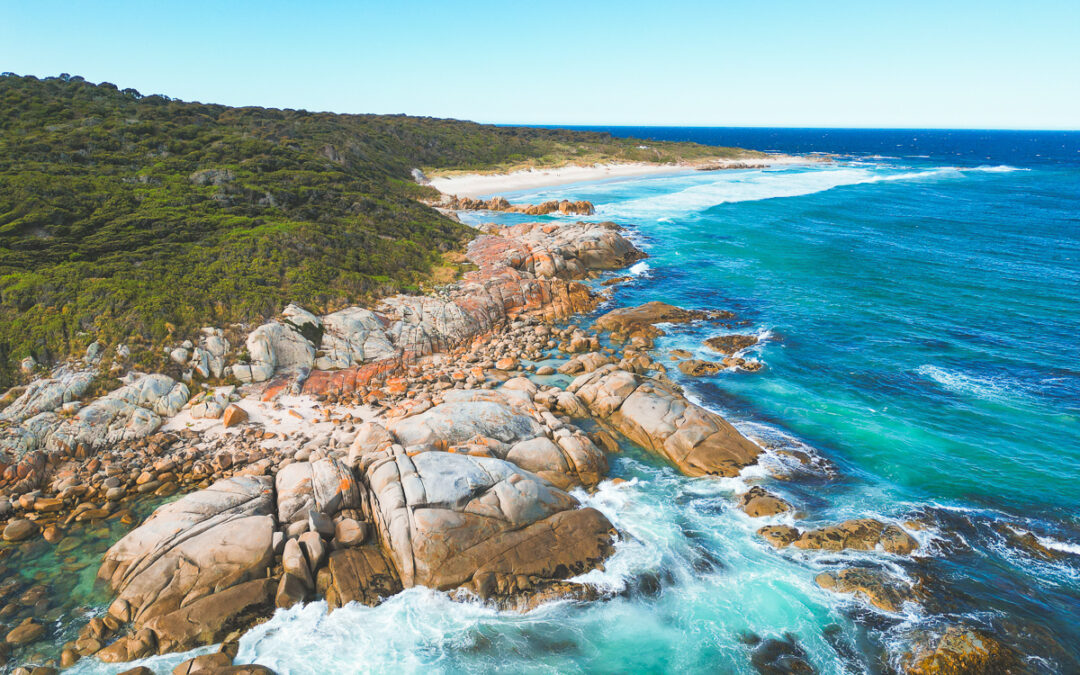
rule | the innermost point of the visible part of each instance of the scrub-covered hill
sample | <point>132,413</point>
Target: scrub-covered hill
<point>136,218</point>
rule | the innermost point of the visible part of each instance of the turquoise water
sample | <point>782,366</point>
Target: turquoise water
<point>919,322</point>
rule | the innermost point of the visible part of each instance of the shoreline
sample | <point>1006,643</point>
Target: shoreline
<point>350,426</point>
<point>488,184</point>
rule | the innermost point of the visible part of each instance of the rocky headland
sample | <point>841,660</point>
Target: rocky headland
<point>433,440</point>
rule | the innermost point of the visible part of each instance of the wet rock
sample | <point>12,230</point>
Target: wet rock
<point>730,344</point>
<point>211,618</point>
<point>207,663</point>
<point>699,368</point>
<point>361,574</point>
<point>1027,542</point>
<point>773,656</point>
<point>128,648</point>
<point>26,632</point>
<point>627,323</point>
<point>20,529</point>
<point>864,534</point>
<point>779,535</point>
<point>759,503</point>
<point>958,650</point>
<point>695,440</point>
<point>290,590</point>
<point>880,589</point>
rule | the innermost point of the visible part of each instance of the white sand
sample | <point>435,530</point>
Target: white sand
<point>485,184</point>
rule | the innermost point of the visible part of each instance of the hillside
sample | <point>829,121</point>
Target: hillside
<point>140,218</point>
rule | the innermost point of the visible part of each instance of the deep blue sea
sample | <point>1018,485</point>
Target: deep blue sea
<point>918,304</point>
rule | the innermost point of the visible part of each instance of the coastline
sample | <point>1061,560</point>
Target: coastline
<point>486,184</point>
<point>347,398</point>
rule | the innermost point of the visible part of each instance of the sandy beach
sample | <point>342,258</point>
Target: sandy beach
<point>486,184</point>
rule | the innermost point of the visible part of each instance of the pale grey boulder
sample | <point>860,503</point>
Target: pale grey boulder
<point>213,347</point>
<point>274,345</point>
<point>63,385</point>
<point>130,412</point>
<point>353,336</point>
<point>325,485</point>
<point>504,416</point>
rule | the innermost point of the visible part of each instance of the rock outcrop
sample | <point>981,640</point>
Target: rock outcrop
<point>199,545</point>
<point>133,411</point>
<point>505,424</point>
<point>637,324</point>
<point>548,250</point>
<point>564,207</point>
<point>758,502</point>
<point>651,414</point>
<point>528,270</point>
<point>879,588</point>
<point>958,650</point>
<point>864,534</point>
<point>450,520</point>
<point>325,485</point>
<point>731,344</point>
<point>64,385</point>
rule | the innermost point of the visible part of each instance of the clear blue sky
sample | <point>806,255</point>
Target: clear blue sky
<point>963,63</point>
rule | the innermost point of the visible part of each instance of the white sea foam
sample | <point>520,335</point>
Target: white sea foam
<point>987,388</point>
<point>1063,546</point>
<point>1001,168</point>
<point>756,186</point>
<point>639,268</point>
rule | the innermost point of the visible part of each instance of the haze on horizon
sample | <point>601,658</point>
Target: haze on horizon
<point>918,64</point>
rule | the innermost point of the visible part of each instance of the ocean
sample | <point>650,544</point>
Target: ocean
<point>917,301</point>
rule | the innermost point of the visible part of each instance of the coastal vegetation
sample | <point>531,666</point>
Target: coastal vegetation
<point>131,218</point>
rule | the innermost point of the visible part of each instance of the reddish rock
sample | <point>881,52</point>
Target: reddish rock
<point>233,415</point>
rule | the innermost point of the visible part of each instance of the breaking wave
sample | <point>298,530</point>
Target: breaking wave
<point>759,185</point>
